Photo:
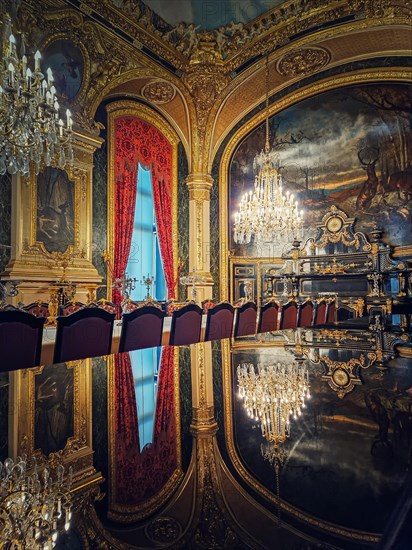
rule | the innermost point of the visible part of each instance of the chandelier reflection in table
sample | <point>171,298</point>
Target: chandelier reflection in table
<point>34,507</point>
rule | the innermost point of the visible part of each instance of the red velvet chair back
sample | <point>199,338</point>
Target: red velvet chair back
<point>39,309</point>
<point>305,314</point>
<point>20,340</point>
<point>186,325</point>
<point>85,333</point>
<point>219,322</point>
<point>106,305</point>
<point>245,323</point>
<point>320,313</point>
<point>289,315</point>
<point>70,307</point>
<point>268,318</point>
<point>141,328</point>
<point>331,312</point>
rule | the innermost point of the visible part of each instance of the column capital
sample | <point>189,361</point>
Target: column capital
<point>199,180</point>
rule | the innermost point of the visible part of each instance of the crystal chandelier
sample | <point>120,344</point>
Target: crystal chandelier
<point>273,395</point>
<point>31,129</point>
<point>267,213</point>
<point>33,508</point>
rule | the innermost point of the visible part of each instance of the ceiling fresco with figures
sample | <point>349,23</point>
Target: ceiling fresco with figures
<point>210,14</point>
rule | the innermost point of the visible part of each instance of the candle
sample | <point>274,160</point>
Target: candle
<point>60,127</point>
<point>24,64</point>
<point>37,57</point>
<point>68,116</point>
<point>11,74</point>
<point>12,41</point>
<point>49,75</point>
<point>28,79</point>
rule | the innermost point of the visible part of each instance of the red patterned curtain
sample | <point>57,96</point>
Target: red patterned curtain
<point>140,474</point>
<point>138,142</point>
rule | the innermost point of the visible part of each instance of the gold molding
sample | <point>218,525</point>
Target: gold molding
<point>136,109</point>
<point>128,514</point>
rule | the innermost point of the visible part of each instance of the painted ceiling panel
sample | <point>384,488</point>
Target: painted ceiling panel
<point>210,14</point>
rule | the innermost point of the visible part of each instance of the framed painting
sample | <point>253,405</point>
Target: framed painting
<point>55,210</point>
<point>66,61</point>
<point>53,413</point>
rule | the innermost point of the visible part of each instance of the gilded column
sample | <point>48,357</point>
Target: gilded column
<point>199,233</point>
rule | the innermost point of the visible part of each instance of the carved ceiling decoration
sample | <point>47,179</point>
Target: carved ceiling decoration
<point>211,65</point>
<point>247,90</point>
<point>159,91</point>
<point>303,61</point>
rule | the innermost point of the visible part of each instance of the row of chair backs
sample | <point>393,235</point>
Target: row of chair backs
<point>88,331</point>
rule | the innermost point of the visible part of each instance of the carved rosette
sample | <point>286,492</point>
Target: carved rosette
<point>164,530</point>
<point>303,61</point>
<point>159,91</point>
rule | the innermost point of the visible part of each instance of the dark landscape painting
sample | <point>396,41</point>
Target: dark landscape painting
<point>351,147</point>
<point>346,459</point>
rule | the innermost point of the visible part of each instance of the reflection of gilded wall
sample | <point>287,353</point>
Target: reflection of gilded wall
<point>335,444</point>
<point>5,217</point>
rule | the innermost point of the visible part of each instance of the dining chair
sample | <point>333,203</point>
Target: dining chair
<point>219,322</point>
<point>305,314</point>
<point>245,320</point>
<point>289,315</point>
<point>20,339</point>
<point>186,325</point>
<point>141,328</point>
<point>320,313</point>
<point>268,318</point>
<point>85,333</point>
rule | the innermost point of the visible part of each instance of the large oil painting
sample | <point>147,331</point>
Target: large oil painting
<point>55,210</point>
<point>346,458</point>
<point>351,147</point>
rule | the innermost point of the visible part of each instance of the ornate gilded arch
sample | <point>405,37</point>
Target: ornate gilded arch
<point>133,108</point>
<point>390,74</point>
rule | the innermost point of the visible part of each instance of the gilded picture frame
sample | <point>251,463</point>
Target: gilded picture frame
<point>73,391</point>
<point>49,211</point>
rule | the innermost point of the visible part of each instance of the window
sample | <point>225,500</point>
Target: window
<point>144,257</point>
<point>145,260</point>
